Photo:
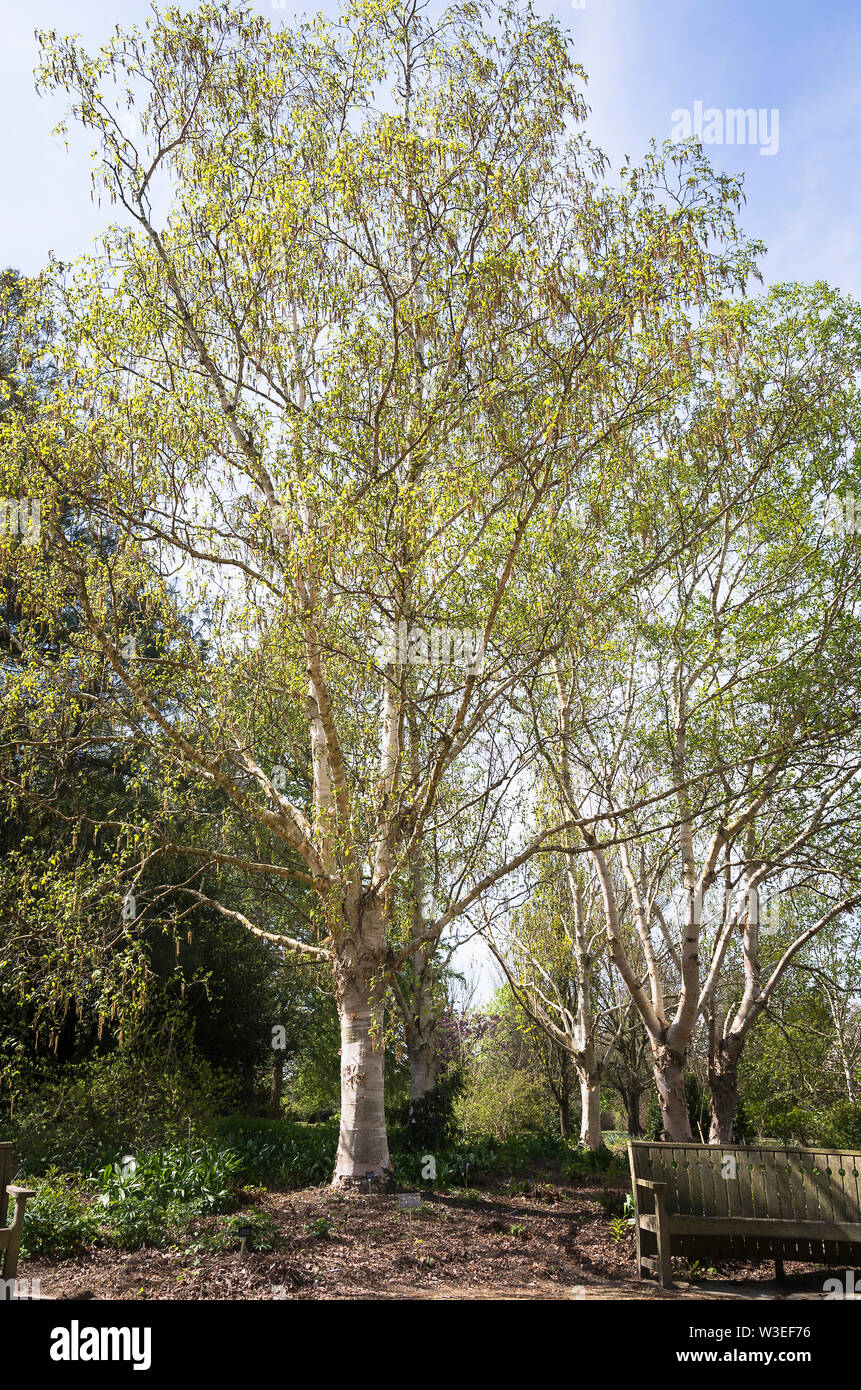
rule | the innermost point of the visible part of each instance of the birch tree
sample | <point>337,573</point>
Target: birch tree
<point>553,947</point>
<point>335,374</point>
<point>720,698</point>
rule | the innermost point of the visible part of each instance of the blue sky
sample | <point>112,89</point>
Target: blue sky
<point>645,60</point>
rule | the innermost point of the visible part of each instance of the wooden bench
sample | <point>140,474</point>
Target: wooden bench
<point>706,1201</point>
<point>10,1236</point>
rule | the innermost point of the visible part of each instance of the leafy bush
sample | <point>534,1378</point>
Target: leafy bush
<point>615,1139</point>
<point>137,1195</point>
<point>59,1220</point>
<point>320,1228</point>
<point>264,1234</point>
<point>497,1103</point>
<point>144,1199</point>
<point>837,1126</point>
<point>282,1151</point>
<point>840,1126</point>
<point>431,1122</point>
<point>584,1163</point>
<point>479,1162</point>
<point>133,1203</point>
<point>77,1116</point>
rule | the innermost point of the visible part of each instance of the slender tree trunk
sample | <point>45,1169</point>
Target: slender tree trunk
<point>420,1035</point>
<point>723,1089</point>
<point>420,1053</point>
<point>632,1109</point>
<point>420,1023</point>
<point>670,1081</point>
<point>565,1116</point>
<point>276,1086</point>
<point>590,1120</point>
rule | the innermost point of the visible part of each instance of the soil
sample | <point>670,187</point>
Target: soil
<point>529,1240</point>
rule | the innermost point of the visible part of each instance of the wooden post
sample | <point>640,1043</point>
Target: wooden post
<point>665,1264</point>
<point>15,1230</point>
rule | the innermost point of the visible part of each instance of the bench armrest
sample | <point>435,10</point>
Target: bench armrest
<point>652,1186</point>
<point>17,1192</point>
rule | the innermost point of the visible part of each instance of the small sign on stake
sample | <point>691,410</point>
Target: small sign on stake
<point>244,1233</point>
<point>408,1200</point>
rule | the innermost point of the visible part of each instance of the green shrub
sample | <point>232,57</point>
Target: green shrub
<point>264,1236</point>
<point>479,1162</point>
<point>201,1177</point>
<point>840,1126</point>
<point>320,1228</point>
<point>498,1102</point>
<point>142,1201</point>
<point>59,1220</point>
<point>837,1126</point>
<point>132,1204</point>
<point>584,1163</point>
<point>77,1116</point>
<point>431,1123</point>
<point>281,1151</point>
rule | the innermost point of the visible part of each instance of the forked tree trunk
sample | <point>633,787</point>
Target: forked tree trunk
<point>670,1081</point>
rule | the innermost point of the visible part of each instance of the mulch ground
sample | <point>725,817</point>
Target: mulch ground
<point>551,1241</point>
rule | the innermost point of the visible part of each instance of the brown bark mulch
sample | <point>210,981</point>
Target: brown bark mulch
<point>550,1241</point>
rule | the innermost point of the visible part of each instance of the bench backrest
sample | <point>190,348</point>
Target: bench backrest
<point>730,1180</point>
<point>5,1178</point>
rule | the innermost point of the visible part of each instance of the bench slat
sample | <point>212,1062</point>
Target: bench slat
<point>772,1187</point>
<point>842,1197</point>
<point>853,1180</point>
<point>745,1184</point>
<point>758,1196</point>
<point>680,1199</point>
<point>829,1196</point>
<point>755,1226</point>
<point>797,1190</point>
<point>807,1166</point>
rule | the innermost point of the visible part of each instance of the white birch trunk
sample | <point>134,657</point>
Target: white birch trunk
<point>590,1122</point>
<point>362,1144</point>
<point>363,1148</point>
